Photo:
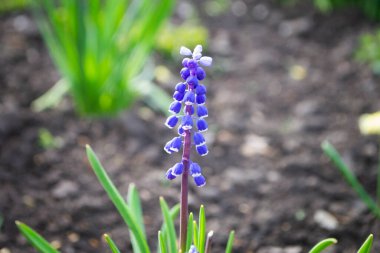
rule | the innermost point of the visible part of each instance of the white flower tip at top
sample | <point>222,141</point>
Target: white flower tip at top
<point>205,61</point>
<point>197,50</point>
<point>185,51</point>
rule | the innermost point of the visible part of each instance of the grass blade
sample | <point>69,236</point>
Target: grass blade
<point>351,179</point>
<point>230,242</point>
<point>161,243</point>
<point>202,230</point>
<point>111,244</point>
<point>189,238</point>
<point>117,200</point>
<point>135,205</point>
<point>195,234</point>
<point>322,245</point>
<point>52,97</point>
<point>169,224</point>
<point>367,245</point>
<point>38,242</point>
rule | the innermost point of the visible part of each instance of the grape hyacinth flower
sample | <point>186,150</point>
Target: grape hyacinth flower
<point>191,96</point>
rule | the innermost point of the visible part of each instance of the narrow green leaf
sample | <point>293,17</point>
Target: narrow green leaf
<point>174,212</point>
<point>135,205</point>
<point>189,238</point>
<point>351,179</point>
<point>195,234</point>
<point>230,242</point>
<point>161,243</point>
<point>117,200</point>
<point>52,97</point>
<point>170,229</point>
<point>367,245</point>
<point>38,242</point>
<point>111,244</point>
<point>322,245</point>
<point>202,230</point>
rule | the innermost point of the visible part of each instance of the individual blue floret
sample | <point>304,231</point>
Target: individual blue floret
<point>200,90</point>
<point>185,73</point>
<point>198,139</point>
<point>176,144</point>
<point>181,131</point>
<point>171,121</point>
<point>200,181</point>
<point>180,87</point>
<point>202,111</point>
<point>202,150</point>
<point>200,99</point>
<point>178,96</point>
<point>202,125</point>
<point>187,122</point>
<point>192,81</point>
<point>167,147</point>
<point>201,74</point>
<point>177,169</point>
<point>189,98</point>
<point>192,64</point>
<point>169,174</point>
<point>195,170</point>
<point>185,61</point>
<point>175,107</point>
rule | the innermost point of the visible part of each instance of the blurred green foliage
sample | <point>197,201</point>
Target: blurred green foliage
<point>369,50</point>
<point>12,5</point>
<point>371,8</point>
<point>100,47</point>
<point>172,37</point>
<point>216,7</point>
<point>47,141</point>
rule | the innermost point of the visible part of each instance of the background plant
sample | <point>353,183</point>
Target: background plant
<point>371,8</point>
<point>100,47</point>
<point>369,50</point>
<point>352,180</point>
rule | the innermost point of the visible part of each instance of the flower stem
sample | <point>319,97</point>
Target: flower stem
<point>185,184</point>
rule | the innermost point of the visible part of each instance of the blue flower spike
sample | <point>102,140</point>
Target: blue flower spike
<point>189,108</point>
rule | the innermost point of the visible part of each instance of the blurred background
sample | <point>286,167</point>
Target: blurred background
<point>287,75</point>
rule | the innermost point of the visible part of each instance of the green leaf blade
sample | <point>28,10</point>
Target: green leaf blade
<point>169,225</point>
<point>116,198</point>
<point>111,244</point>
<point>367,245</point>
<point>38,242</point>
<point>350,178</point>
<point>322,245</point>
<point>230,242</point>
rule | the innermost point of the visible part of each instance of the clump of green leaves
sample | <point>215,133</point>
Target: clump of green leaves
<point>369,50</point>
<point>371,8</point>
<point>131,212</point>
<point>100,47</point>
<point>322,245</point>
<point>352,180</point>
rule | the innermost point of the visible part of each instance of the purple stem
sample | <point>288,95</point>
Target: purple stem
<point>185,185</point>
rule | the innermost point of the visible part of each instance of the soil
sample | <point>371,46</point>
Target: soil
<point>284,80</point>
